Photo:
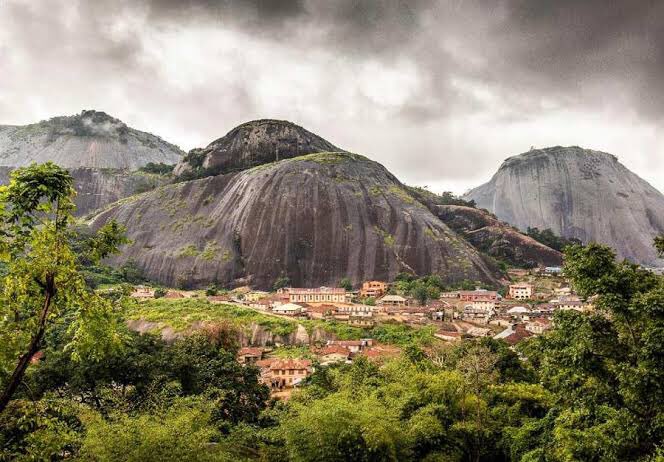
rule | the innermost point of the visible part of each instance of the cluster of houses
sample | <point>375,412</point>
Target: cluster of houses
<point>286,373</point>
<point>520,313</point>
<point>486,310</point>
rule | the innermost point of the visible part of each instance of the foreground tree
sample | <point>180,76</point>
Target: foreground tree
<point>43,279</point>
<point>605,368</point>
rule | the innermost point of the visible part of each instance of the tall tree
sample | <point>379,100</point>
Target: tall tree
<point>43,279</point>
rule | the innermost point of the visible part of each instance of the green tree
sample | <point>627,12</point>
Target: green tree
<point>659,245</point>
<point>420,292</point>
<point>44,280</point>
<point>346,283</point>
<point>184,431</point>
<point>281,283</point>
<point>605,369</point>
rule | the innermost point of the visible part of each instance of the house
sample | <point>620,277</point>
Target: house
<point>375,289</point>
<point>354,346</point>
<point>577,305</point>
<point>319,295</point>
<point>393,300</point>
<point>479,332</point>
<point>334,354</point>
<point>356,310</point>
<point>284,373</point>
<point>470,313</point>
<point>321,311</point>
<point>501,321</point>
<point>514,335</point>
<point>287,309</point>
<point>518,311</point>
<point>562,291</point>
<point>249,355</point>
<point>361,321</point>
<point>255,295</point>
<point>453,294</point>
<point>553,270</point>
<point>478,295</point>
<point>142,292</point>
<point>538,326</point>
<point>487,305</point>
<point>173,294</point>
<point>521,291</point>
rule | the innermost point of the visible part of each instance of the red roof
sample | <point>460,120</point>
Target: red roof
<point>346,343</point>
<point>520,333</point>
<point>380,352</point>
<point>334,349</point>
<point>318,290</point>
<point>250,351</point>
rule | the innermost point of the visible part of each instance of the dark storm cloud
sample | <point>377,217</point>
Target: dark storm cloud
<point>570,48</point>
<point>438,81</point>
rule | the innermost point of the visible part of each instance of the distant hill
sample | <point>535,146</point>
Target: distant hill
<point>102,153</point>
<point>90,139</point>
<point>577,193</point>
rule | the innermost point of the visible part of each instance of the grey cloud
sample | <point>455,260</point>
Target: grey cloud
<point>508,61</point>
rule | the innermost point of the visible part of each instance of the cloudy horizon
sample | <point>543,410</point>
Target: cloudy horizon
<point>439,92</point>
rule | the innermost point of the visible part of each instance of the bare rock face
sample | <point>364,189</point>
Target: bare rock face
<point>578,193</point>
<point>91,139</point>
<point>315,218</point>
<point>97,188</point>
<point>101,152</point>
<point>250,144</point>
<point>496,238</point>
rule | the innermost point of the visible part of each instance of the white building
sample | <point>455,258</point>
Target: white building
<point>288,309</point>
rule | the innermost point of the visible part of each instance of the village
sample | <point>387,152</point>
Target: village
<point>522,309</point>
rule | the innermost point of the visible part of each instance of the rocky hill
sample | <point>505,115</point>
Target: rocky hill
<point>90,139</point>
<point>578,193</point>
<point>102,153</point>
<point>250,144</point>
<point>496,238</point>
<point>492,237</point>
<point>315,218</point>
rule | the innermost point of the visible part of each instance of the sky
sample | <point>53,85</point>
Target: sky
<point>440,92</point>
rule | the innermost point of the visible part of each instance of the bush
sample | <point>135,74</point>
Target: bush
<point>159,292</point>
<point>159,169</point>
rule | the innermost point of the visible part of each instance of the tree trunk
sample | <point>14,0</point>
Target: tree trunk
<point>35,342</point>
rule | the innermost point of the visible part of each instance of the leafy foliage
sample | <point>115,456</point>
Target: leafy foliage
<point>157,168</point>
<point>44,281</point>
<point>549,239</point>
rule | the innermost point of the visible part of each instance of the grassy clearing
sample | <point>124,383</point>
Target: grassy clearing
<point>181,313</point>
